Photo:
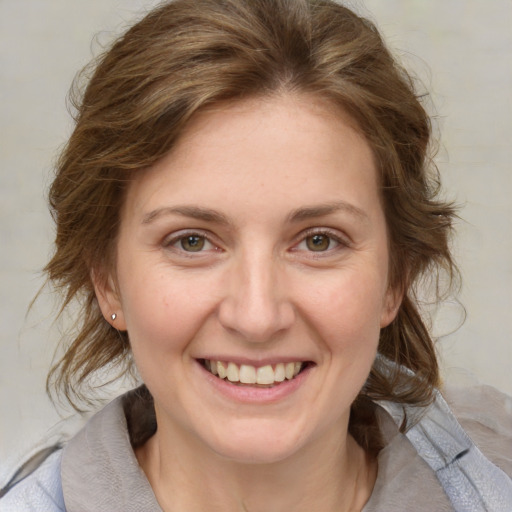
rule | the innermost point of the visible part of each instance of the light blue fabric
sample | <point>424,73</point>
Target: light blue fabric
<point>41,491</point>
<point>470,480</point>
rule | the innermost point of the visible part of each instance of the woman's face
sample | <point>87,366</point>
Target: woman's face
<point>258,245</point>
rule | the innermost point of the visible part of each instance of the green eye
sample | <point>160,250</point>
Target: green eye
<point>318,243</point>
<point>192,243</point>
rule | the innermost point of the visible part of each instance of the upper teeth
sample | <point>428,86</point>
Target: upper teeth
<point>248,374</point>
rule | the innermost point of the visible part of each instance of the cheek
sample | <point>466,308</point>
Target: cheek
<point>347,310</point>
<point>163,311</point>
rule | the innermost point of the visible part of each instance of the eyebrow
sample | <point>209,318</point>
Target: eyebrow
<point>310,212</point>
<point>195,212</point>
<point>298,215</point>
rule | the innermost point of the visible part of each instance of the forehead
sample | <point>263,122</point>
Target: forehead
<point>267,149</point>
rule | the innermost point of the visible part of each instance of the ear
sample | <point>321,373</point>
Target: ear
<point>109,300</point>
<point>391,305</point>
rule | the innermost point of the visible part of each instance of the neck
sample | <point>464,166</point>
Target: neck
<point>333,475</point>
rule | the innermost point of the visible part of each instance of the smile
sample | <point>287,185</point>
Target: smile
<point>267,376</point>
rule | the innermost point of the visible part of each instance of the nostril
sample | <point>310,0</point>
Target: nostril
<point>256,322</point>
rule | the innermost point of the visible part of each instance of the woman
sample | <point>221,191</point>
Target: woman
<point>244,211</point>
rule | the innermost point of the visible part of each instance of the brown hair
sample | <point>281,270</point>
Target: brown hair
<point>187,55</point>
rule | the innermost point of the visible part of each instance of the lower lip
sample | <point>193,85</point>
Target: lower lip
<point>253,394</point>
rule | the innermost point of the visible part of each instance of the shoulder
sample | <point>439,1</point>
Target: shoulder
<point>486,415</point>
<point>461,452</point>
<point>36,489</point>
<point>77,469</point>
<point>99,468</point>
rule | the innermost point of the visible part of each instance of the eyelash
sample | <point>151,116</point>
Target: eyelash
<point>176,238</point>
<point>333,236</point>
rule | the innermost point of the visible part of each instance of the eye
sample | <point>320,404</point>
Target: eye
<point>189,242</point>
<point>192,243</point>
<point>320,241</point>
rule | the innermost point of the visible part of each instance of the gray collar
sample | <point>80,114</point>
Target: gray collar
<point>99,467</point>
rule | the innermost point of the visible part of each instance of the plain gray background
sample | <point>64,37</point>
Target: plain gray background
<point>461,49</point>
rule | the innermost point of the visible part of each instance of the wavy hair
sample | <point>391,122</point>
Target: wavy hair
<point>185,56</point>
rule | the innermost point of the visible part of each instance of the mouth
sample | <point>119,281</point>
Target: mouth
<point>266,376</point>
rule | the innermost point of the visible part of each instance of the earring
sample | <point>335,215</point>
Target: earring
<point>113,316</point>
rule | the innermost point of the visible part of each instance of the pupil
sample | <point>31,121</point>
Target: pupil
<point>192,243</point>
<point>318,242</point>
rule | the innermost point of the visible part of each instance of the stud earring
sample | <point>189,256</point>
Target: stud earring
<point>113,316</point>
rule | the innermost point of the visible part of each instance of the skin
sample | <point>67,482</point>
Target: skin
<point>254,182</point>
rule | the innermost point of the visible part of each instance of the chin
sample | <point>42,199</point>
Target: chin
<point>260,444</point>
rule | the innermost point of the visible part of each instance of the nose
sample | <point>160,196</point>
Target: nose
<point>256,305</point>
